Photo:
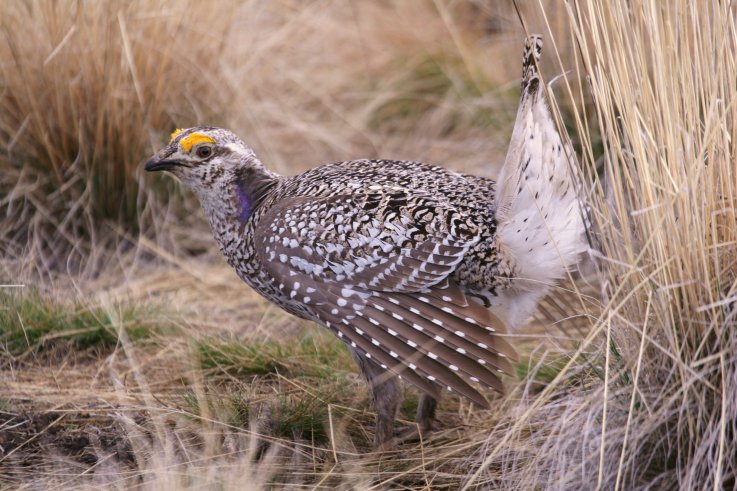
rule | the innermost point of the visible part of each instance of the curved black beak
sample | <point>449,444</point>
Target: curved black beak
<point>154,165</point>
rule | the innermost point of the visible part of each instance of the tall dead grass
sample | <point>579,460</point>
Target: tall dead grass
<point>663,78</point>
<point>86,91</point>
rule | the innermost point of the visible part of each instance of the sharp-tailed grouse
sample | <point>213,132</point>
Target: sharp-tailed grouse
<point>416,268</point>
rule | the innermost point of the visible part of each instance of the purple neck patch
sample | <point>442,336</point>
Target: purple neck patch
<point>244,203</point>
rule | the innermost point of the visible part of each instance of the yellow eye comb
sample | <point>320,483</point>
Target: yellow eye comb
<point>191,140</point>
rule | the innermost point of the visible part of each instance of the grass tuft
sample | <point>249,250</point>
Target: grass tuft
<point>32,323</point>
<point>88,91</point>
<point>658,408</point>
<point>315,355</point>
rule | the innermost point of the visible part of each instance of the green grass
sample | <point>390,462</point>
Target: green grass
<point>5,404</point>
<point>314,355</point>
<point>299,415</point>
<point>301,378</point>
<point>290,413</point>
<point>31,322</point>
<point>409,406</point>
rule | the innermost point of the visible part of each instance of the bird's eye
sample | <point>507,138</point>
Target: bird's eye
<point>204,151</point>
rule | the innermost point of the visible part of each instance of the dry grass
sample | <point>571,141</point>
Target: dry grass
<point>664,84</point>
<point>87,90</point>
<point>224,391</point>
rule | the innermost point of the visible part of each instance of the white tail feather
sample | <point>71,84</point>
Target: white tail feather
<point>539,214</point>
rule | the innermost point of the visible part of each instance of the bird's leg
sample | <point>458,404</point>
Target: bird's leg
<point>424,419</point>
<point>426,412</point>
<point>387,396</point>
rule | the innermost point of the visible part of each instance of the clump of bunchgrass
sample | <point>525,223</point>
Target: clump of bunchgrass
<point>88,92</point>
<point>32,323</point>
<point>659,409</point>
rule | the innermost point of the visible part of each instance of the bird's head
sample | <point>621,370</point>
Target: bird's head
<point>202,156</point>
<point>215,164</point>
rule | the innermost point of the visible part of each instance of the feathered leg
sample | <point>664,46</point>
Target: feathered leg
<point>426,412</point>
<point>387,396</point>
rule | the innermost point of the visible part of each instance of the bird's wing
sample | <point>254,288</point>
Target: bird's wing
<point>375,268</point>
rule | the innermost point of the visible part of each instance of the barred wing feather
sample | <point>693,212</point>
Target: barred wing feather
<point>375,268</point>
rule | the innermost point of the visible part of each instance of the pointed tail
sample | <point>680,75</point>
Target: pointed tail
<point>539,214</point>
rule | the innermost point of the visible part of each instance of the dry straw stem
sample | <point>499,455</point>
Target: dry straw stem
<point>664,82</point>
